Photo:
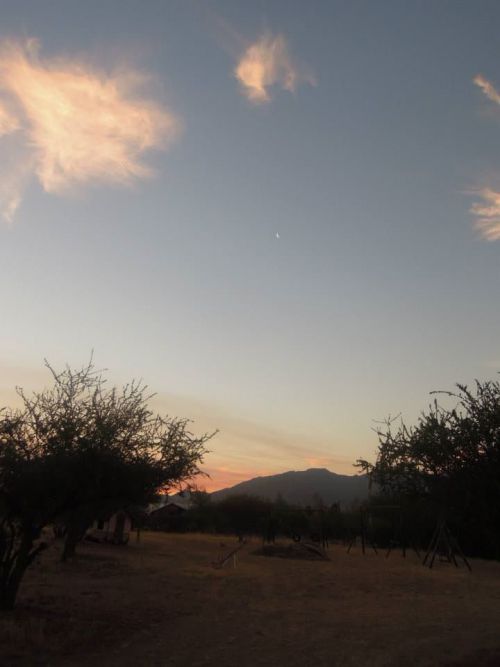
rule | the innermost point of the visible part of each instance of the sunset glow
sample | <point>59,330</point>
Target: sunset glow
<point>259,213</point>
<point>250,346</point>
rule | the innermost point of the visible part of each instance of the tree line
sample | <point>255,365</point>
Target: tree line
<point>445,467</point>
<point>247,515</point>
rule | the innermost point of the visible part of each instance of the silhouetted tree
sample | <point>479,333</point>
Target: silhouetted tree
<point>76,450</point>
<point>31,494</point>
<point>451,459</point>
<point>202,511</point>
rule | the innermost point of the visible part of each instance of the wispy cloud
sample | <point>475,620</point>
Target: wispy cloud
<point>244,448</point>
<point>266,63</point>
<point>487,88</point>
<point>8,122</point>
<point>79,125</point>
<point>486,212</point>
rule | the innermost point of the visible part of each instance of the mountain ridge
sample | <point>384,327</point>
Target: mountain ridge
<point>302,487</point>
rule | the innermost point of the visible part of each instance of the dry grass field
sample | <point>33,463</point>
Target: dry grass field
<point>161,603</point>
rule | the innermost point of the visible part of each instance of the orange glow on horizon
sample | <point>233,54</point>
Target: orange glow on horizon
<point>222,478</point>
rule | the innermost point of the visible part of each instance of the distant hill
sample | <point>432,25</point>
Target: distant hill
<point>300,487</point>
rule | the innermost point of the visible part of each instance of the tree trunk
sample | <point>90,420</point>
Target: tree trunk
<point>75,531</point>
<point>72,536</point>
<point>13,572</point>
<point>9,589</point>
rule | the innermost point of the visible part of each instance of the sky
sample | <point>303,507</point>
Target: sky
<point>283,216</point>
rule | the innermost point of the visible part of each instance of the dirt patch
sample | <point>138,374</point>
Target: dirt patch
<point>161,603</point>
<point>296,550</point>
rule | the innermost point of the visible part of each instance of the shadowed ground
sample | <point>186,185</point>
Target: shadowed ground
<point>161,602</point>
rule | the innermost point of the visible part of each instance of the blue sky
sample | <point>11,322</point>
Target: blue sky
<point>366,163</point>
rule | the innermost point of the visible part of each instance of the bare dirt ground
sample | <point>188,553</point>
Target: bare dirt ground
<point>161,603</point>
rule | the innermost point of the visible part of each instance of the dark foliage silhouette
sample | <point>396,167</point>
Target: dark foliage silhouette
<point>450,462</point>
<point>75,451</point>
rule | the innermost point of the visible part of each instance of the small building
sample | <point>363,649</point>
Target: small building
<point>167,517</point>
<point>114,528</point>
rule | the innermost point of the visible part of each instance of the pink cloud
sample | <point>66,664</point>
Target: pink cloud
<point>81,125</point>
<point>267,63</point>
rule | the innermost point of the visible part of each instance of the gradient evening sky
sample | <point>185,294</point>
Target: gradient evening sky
<point>288,228</point>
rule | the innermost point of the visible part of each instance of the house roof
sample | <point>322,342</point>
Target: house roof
<point>168,508</point>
